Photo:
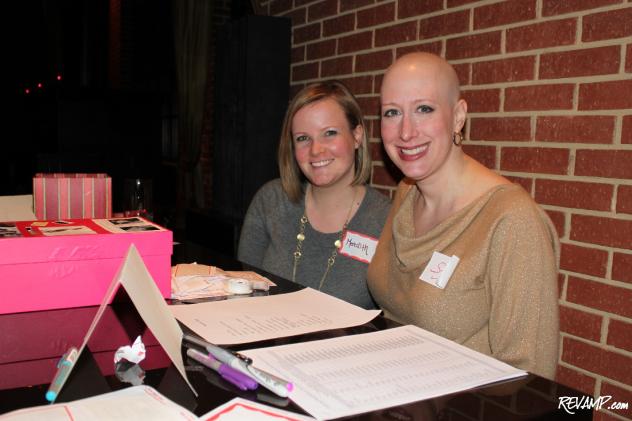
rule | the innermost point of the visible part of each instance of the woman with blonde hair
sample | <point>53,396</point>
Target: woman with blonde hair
<point>318,224</point>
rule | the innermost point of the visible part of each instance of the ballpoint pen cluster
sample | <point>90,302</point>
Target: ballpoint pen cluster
<point>235,368</point>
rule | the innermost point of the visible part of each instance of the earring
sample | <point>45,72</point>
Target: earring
<point>456,135</point>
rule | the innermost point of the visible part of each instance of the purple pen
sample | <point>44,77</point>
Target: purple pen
<point>231,375</point>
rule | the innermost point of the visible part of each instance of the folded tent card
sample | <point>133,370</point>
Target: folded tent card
<point>148,300</point>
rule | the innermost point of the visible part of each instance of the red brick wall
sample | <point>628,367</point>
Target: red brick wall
<point>549,87</point>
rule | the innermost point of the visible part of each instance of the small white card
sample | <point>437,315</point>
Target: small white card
<point>439,270</point>
<point>358,246</point>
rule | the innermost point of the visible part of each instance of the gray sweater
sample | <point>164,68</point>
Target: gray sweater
<point>268,241</point>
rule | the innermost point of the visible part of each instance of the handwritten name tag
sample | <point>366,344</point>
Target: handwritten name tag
<point>439,270</point>
<point>358,246</point>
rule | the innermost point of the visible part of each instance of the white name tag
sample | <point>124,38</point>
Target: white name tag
<point>358,246</point>
<point>439,270</point>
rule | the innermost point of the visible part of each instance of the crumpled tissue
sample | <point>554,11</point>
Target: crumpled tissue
<point>134,353</point>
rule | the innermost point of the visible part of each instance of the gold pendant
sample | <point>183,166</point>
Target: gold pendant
<point>337,244</point>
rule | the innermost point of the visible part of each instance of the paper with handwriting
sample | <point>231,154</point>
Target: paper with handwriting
<point>252,319</point>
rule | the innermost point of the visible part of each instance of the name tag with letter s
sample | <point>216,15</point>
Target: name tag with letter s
<point>358,246</point>
<point>439,270</point>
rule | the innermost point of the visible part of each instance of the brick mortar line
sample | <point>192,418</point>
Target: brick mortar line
<point>610,250</point>
<point>466,6</point>
<point>614,415</point>
<point>604,347</point>
<point>601,280</point>
<point>585,179</point>
<point>503,55</point>
<point>627,387</point>
<point>610,261</point>
<point>612,42</point>
<point>563,289</point>
<point>599,379</point>
<point>614,200</point>
<point>598,247</point>
<point>590,212</point>
<point>580,370</point>
<point>568,178</point>
<point>615,112</point>
<point>596,312</point>
<point>579,15</point>
<point>571,146</point>
<point>615,182</point>
<point>623,57</point>
<point>580,178</point>
<point>500,57</point>
<point>503,86</point>
<point>571,211</point>
<point>577,81</point>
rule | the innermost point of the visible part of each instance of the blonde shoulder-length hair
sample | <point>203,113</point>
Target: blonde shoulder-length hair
<point>292,178</point>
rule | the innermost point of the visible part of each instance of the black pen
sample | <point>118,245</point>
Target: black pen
<point>202,343</point>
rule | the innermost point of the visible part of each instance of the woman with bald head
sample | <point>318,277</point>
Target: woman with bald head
<point>464,253</point>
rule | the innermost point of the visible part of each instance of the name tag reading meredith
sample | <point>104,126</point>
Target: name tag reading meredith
<point>358,246</point>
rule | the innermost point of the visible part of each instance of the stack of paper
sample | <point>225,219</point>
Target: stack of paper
<point>275,316</point>
<point>360,373</point>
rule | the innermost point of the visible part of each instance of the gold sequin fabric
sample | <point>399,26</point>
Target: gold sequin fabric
<point>502,299</point>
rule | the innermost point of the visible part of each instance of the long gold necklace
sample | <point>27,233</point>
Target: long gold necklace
<point>300,237</point>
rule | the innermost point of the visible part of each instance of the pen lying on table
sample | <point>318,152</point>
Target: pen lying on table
<point>242,364</point>
<point>228,373</point>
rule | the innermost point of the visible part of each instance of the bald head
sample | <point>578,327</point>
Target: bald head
<point>423,68</point>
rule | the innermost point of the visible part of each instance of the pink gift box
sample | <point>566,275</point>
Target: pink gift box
<point>61,195</point>
<point>71,262</point>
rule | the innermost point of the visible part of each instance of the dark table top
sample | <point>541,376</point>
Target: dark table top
<point>32,343</point>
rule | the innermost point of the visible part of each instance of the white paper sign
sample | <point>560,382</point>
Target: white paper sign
<point>358,246</point>
<point>439,270</point>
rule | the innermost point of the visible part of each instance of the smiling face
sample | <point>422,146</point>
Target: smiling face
<point>420,112</point>
<point>324,144</point>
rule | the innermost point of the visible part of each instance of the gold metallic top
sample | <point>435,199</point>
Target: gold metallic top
<point>501,300</point>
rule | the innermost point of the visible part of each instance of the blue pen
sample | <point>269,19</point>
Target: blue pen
<point>229,374</point>
<point>64,366</point>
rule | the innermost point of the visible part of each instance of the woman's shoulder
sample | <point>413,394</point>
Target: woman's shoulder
<point>512,197</point>
<point>515,206</point>
<point>377,199</point>
<point>373,211</point>
<point>271,191</point>
<point>272,203</point>
<point>271,198</point>
<point>271,186</point>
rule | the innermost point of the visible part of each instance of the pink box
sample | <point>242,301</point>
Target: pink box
<point>61,195</point>
<point>70,263</point>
